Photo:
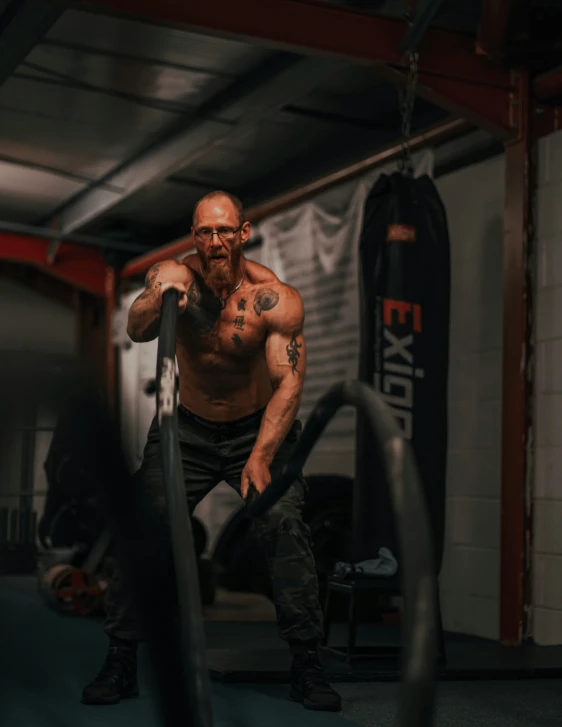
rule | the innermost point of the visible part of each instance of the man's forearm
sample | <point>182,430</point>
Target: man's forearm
<point>278,418</point>
<point>144,319</point>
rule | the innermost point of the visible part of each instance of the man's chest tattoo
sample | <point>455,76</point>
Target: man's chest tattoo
<point>203,309</point>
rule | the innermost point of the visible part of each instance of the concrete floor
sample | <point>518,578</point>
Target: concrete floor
<point>47,658</point>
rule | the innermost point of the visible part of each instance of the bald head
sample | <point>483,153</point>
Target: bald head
<point>220,197</point>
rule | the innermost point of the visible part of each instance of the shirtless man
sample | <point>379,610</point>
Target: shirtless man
<point>241,357</point>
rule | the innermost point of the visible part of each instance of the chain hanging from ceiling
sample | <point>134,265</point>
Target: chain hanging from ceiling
<point>408,100</point>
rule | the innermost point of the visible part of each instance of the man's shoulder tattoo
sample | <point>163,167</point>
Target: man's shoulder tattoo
<point>265,299</point>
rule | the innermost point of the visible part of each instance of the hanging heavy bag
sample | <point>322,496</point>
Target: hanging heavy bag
<point>404,271</point>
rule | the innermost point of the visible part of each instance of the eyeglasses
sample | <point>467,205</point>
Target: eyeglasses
<point>226,234</point>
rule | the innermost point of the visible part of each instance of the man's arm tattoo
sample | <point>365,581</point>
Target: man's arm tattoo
<point>293,353</point>
<point>265,299</point>
<point>149,283</point>
<point>152,275</point>
<point>193,295</point>
<point>203,312</point>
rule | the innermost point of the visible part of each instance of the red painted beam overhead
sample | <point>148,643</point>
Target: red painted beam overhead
<point>82,267</point>
<point>309,27</point>
<point>489,108</point>
<point>492,33</point>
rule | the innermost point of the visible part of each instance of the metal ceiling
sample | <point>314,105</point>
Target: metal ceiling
<point>115,126</point>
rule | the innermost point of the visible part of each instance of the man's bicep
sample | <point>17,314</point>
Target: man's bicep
<point>286,356</point>
<point>295,351</point>
<point>285,347</point>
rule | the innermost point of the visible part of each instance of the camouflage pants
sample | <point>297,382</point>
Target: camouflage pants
<point>213,452</point>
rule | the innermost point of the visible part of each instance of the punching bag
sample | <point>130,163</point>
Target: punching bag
<point>404,274</point>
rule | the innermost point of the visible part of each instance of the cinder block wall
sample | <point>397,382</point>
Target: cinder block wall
<point>547,556</point>
<point>474,199</point>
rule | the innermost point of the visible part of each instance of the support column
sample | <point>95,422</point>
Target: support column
<point>94,334</point>
<point>90,333</point>
<point>110,364</point>
<point>517,466</point>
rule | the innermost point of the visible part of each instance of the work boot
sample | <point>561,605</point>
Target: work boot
<point>116,680</point>
<point>309,685</point>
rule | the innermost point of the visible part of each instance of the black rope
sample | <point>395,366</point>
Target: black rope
<point>196,676</point>
<point>419,585</point>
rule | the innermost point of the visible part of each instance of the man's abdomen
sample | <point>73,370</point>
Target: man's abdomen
<point>224,393</point>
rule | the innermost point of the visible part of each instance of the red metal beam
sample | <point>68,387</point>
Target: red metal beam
<point>516,497</point>
<point>548,85</point>
<point>309,27</point>
<point>433,135</point>
<point>489,108</point>
<point>83,267</point>
<point>492,33</point>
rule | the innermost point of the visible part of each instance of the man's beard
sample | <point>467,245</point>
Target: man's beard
<point>222,276</point>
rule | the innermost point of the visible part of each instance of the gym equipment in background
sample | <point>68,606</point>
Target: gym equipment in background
<point>73,528</point>
<point>74,580</point>
<point>404,278</point>
<point>404,283</point>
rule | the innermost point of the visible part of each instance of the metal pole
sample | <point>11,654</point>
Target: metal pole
<point>28,448</point>
<point>516,492</point>
<point>110,349</point>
